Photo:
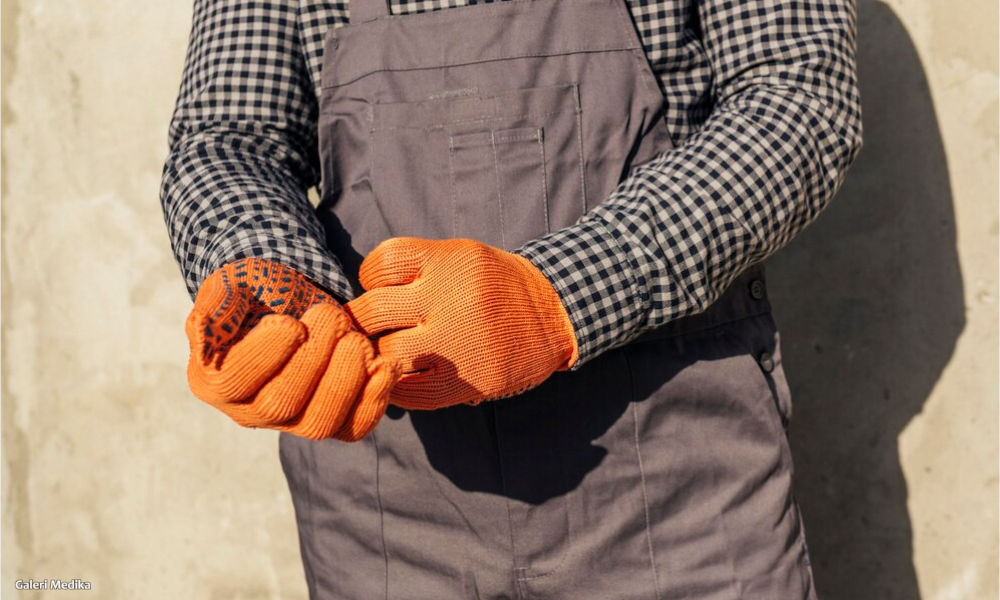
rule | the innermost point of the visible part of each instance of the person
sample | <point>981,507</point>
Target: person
<point>520,344</point>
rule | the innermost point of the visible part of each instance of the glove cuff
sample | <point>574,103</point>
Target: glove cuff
<point>548,303</point>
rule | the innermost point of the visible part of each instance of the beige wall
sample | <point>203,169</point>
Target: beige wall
<point>113,473</point>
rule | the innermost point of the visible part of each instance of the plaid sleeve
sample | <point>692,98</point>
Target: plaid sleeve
<point>242,146</point>
<point>786,125</point>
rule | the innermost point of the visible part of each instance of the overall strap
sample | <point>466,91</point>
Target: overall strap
<point>366,10</point>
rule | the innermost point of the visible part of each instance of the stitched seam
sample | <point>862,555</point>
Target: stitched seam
<point>381,514</point>
<point>633,274</point>
<point>625,20</point>
<point>642,477</point>
<point>500,138</point>
<point>310,573</point>
<point>457,13</point>
<point>503,486</point>
<point>518,138</point>
<point>545,178</point>
<point>569,534</point>
<point>480,61</point>
<point>442,124</point>
<point>736,583</point>
<point>454,195</point>
<point>492,103</point>
<point>358,17</point>
<point>562,559</point>
<point>496,169</point>
<point>644,70</point>
<point>579,143</point>
<point>547,573</point>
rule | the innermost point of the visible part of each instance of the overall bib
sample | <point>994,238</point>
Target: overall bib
<point>658,470</point>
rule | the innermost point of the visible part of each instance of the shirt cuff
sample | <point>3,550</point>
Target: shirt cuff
<point>601,290</point>
<point>322,269</point>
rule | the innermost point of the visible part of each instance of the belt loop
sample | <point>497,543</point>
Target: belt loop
<point>367,10</point>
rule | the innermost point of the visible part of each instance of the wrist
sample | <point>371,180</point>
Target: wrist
<point>550,307</point>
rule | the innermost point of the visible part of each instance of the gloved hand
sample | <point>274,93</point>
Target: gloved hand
<point>468,322</point>
<point>270,349</point>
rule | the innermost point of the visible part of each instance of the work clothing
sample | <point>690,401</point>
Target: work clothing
<point>658,466</point>
<point>270,349</point>
<point>760,98</point>
<point>467,322</point>
<point>658,470</point>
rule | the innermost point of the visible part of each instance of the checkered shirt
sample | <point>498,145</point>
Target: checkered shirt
<point>761,101</point>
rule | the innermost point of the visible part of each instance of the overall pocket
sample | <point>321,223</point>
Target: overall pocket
<point>498,185</point>
<point>494,166</point>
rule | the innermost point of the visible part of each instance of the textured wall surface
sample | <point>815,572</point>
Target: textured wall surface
<point>114,474</point>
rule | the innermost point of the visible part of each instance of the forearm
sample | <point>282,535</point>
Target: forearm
<point>766,162</point>
<point>242,147</point>
<point>222,202</point>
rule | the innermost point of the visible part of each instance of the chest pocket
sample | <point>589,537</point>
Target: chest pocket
<point>501,166</point>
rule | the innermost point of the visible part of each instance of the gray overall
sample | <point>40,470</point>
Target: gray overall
<point>658,470</point>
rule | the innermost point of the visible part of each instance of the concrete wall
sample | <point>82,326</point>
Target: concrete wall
<point>114,474</point>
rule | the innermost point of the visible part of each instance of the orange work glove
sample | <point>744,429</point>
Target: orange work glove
<point>270,349</point>
<point>468,322</point>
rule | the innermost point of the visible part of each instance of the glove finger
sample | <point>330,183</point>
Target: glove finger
<point>337,390</point>
<point>410,348</point>
<point>432,389</point>
<point>220,307</point>
<point>383,375</point>
<point>285,395</point>
<point>385,309</point>
<point>249,363</point>
<point>395,261</point>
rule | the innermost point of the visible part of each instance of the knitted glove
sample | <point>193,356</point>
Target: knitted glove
<point>467,322</point>
<point>270,349</point>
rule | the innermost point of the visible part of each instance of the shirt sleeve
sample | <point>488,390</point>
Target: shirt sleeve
<point>242,147</point>
<point>679,229</point>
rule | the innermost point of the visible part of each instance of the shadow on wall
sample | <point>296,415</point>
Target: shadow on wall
<point>870,304</point>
